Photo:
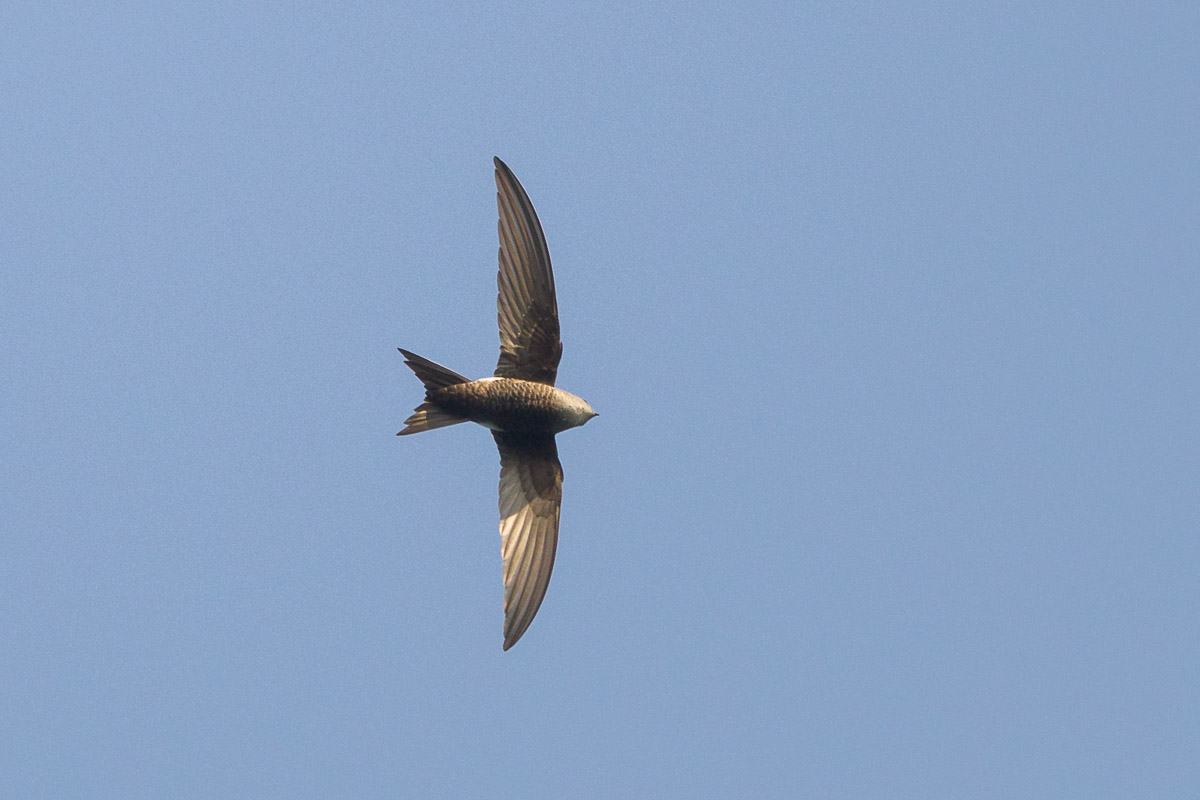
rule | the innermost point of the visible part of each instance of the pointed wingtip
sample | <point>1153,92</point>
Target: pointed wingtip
<point>503,171</point>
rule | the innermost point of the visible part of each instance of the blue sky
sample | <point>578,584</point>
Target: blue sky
<point>889,311</point>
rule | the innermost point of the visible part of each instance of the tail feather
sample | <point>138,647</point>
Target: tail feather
<point>426,417</point>
<point>434,376</point>
<point>429,415</point>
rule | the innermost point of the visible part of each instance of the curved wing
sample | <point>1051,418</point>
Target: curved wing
<point>530,501</point>
<point>526,307</point>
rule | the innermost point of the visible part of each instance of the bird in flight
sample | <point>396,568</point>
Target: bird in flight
<point>519,403</point>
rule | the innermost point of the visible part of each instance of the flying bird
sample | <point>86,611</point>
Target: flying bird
<point>519,403</point>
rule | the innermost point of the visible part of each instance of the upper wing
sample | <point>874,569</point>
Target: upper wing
<point>526,308</point>
<point>530,501</point>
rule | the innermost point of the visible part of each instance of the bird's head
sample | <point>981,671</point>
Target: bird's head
<point>578,412</point>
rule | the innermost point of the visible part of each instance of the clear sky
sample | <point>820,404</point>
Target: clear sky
<point>891,312</point>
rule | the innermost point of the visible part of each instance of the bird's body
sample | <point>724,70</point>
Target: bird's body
<point>520,404</point>
<point>511,405</point>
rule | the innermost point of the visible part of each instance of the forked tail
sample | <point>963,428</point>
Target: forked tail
<point>429,415</point>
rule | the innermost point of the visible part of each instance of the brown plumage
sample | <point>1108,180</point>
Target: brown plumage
<point>520,404</point>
